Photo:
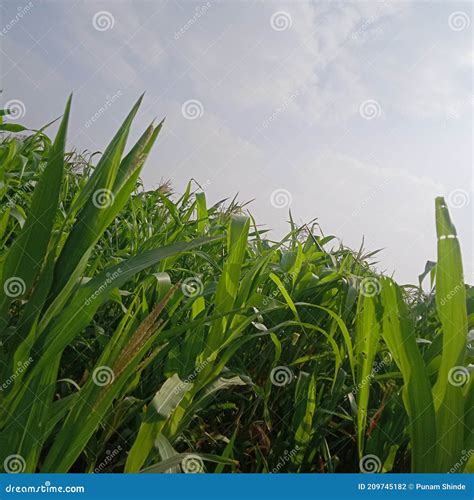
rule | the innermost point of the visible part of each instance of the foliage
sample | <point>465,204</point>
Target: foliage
<point>145,331</point>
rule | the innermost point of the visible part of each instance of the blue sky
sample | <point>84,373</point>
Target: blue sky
<point>354,113</point>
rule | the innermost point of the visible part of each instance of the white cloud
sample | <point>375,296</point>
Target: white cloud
<point>301,87</point>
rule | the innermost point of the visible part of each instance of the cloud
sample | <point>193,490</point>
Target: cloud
<point>391,208</point>
<point>281,107</point>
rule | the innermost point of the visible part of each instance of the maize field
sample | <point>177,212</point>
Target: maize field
<point>144,331</point>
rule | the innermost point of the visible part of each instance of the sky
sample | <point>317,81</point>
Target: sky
<point>357,114</point>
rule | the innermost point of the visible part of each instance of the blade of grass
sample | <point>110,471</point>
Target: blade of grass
<point>398,333</point>
<point>451,307</point>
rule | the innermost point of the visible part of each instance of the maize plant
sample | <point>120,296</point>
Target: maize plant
<point>146,331</point>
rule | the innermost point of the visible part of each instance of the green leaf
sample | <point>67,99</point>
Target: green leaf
<point>367,339</point>
<point>398,333</point>
<point>28,251</point>
<point>451,307</point>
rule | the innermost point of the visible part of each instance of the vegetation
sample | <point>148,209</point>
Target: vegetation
<point>141,331</point>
